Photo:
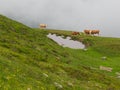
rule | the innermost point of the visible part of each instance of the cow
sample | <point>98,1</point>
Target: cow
<point>43,26</point>
<point>87,32</point>
<point>75,33</point>
<point>91,32</point>
<point>95,32</point>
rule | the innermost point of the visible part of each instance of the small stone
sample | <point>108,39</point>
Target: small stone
<point>58,85</point>
<point>109,69</point>
<point>45,74</point>
<point>70,84</point>
<point>117,73</point>
<point>85,49</point>
<point>104,58</point>
<point>88,81</point>
<point>58,58</point>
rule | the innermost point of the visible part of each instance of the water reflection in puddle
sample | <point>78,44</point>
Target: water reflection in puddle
<point>66,42</point>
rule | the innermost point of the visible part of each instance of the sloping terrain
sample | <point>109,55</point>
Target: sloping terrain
<point>31,61</point>
<point>97,49</point>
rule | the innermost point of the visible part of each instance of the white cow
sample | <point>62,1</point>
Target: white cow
<point>43,26</point>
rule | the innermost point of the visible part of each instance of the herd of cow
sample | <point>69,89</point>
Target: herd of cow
<point>88,32</point>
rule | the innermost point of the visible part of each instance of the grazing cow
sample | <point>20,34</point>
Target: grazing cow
<point>92,32</point>
<point>87,31</point>
<point>95,32</point>
<point>75,33</point>
<point>43,26</point>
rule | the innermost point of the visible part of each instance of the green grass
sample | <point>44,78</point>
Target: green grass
<point>97,47</point>
<point>28,59</point>
<point>103,45</point>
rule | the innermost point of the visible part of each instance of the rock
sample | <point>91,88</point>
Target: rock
<point>117,73</point>
<point>109,69</point>
<point>85,49</point>
<point>58,85</point>
<point>104,58</point>
<point>118,76</point>
<point>58,58</point>
<point>70,84</point>
<point>45,74</point>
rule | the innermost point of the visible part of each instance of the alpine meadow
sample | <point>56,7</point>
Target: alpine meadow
<point>29,60</point>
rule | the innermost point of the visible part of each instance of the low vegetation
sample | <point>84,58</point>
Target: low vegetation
<point>31,61</point>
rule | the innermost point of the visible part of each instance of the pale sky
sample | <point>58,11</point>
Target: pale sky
<point>66,14</point>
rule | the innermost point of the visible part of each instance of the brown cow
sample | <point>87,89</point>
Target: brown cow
<point>87,31</point>
<point>95,32</point>
<point>92,32</point>
<point>75,33</point>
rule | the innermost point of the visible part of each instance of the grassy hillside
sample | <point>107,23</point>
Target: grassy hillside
<point>31,61</point>
<point>105,45</point>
